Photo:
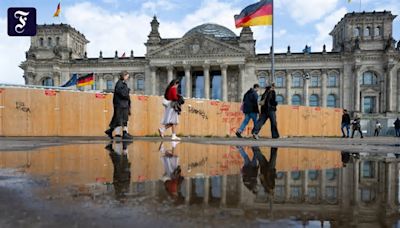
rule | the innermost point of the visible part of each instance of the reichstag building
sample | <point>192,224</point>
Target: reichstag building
<point>361,72</point>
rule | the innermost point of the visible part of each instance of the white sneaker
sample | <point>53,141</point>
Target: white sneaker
<point>161,132</point>
<point>175,138</point>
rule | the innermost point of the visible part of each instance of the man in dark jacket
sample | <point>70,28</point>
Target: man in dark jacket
<point>267,169</point>
<point>250,108</point>
<point>268,111</point>
<point>397,127</point>
<point>122,106</point>
<point>345,123</point>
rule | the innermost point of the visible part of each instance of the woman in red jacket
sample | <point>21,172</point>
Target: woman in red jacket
<point>170,118</point>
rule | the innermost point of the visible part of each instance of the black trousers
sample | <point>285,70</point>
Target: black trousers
<point>261,121</point>
<point>120,118</point>
<point>354,130</point>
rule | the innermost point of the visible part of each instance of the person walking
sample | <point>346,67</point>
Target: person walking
<point>267,174</point>
<point>249,108</point>
<point>345,123</point>
<point>357,126</point>
<point>378,127</point>
<point>397,127</point>
<point>172,103</point>
<point>268,111</point>
<point>122,108</point>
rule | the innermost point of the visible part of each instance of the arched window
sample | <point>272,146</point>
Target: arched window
<point>314,100</point>
<point>48,81</point>
<point>297,80</point>
<point>109,84</point>
<point>331,174</point>
<point>296,99</point>
<point>332,79</point>
<point>367,31</point>
<point>357,31</point>
<point>280,99</point>
<point>331,102</point>
<point>41,42</point>
<point>315,80</point>
<point>57,40</point>
<point>295,175</point>
<point>280,82</point>
<point>313,175</point>
<point>369,78</point>
<point>140,84</point>
<point>262,79</point>
<point>280,175</point>
<point>368,169</point>
<point>49,42</point>
<point>377,31</point>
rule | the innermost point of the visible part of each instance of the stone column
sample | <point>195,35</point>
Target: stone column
<point>101,81</point>
<point>341,88</point>
<point>170,73</point>
<point>357,92</point>
<point>188,189</point>
<point>153,80</point>
<point>56,78</point>
<point>389,91</point>
<point>206,71</point>
<point>131,84</point>
<point>324,88</point>
<point>356,173</point>
<point>242,68</point>
<point>223,190</point>
<point>188,78</point>
<point>288,88</point>
<point>398,91</point>
<point>206,190</point>
<point>306,97</point>
<point>224,82</point>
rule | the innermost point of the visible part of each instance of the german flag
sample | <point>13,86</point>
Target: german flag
<point>256,14</point>
<point>58,10</point>
<point>86,80</point>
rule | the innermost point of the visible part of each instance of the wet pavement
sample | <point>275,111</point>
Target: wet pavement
<point>168,184</point>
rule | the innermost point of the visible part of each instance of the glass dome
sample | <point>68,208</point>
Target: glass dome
<point>213,30</point>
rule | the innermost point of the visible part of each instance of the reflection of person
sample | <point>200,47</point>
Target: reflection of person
<point>172,177</point>
<point>122,107</point>
<point>378,127</point>
<point>249,171</point>
<point>267,168</point>
<point>397,127</point>
<point>345,123</point>
<point>345,158</point>
<point>357,126</point>
<point>122,168</point>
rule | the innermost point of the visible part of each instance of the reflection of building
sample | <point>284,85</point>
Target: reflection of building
<point>361,73</point>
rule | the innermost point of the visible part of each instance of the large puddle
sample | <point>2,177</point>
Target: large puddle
<point>259,186</point>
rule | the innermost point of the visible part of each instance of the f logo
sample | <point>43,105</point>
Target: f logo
<point>22,21</point>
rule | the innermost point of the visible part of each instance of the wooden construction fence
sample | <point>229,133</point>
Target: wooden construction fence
<point>41,112</point>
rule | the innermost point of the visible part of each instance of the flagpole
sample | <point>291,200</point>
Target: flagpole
<point>272,51</point>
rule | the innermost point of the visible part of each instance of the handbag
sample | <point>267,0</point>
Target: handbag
<point>165,102</point>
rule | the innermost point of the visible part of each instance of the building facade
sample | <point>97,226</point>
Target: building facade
<point>361,73</point>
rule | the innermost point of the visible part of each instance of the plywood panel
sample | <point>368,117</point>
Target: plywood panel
<point>17,112</point>
<point>44,112</point>
<point>70,113</point>
<point>2,91</point>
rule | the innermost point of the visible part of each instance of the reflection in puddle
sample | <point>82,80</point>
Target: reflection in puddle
<point>311,187</point>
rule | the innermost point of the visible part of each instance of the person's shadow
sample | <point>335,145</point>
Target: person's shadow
<point>122,168</point>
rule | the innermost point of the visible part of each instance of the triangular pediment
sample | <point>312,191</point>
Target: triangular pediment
<point>197,45</point>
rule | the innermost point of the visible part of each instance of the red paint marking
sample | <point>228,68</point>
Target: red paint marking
<point>338,110</point>
<point>214,103</point>
<point>225,107</point>
<point>50,93</point>
<point>318,109</point>
<point>295,107</point>
<point>2,90</point>
<point>143,98</point>
<point>100,96</point>
<point>101,179</point>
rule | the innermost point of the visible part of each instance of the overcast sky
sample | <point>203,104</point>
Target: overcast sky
<point>123,25</point>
